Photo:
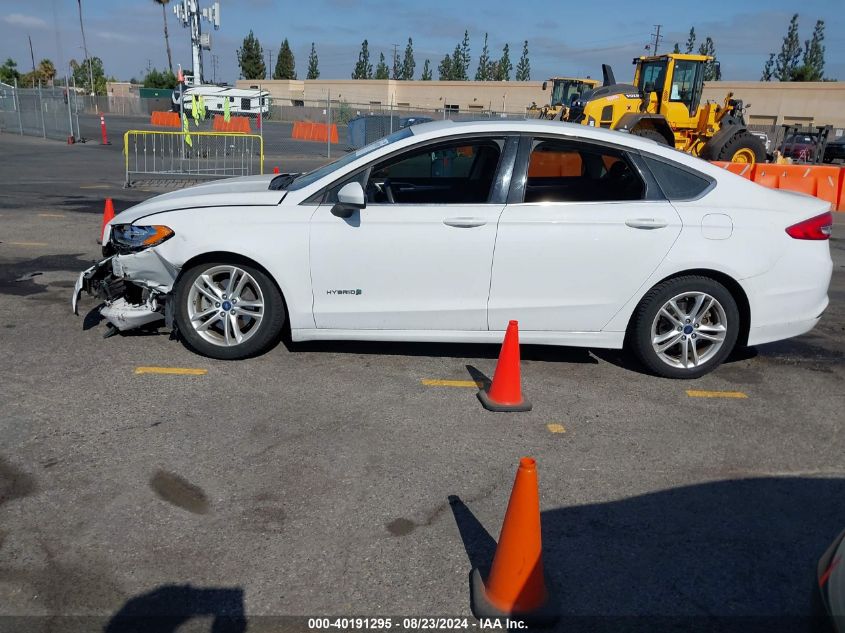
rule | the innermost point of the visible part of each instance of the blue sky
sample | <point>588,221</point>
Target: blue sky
<point>566,38</point>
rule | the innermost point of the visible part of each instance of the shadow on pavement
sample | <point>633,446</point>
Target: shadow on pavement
<point>167,608</point>
<point>734,555</point>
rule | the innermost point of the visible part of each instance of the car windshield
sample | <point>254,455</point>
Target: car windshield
<point>312,176</point>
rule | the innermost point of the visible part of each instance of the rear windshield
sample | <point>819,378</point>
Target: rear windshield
<point>313,176</point>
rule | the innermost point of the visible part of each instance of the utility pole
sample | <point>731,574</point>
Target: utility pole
<point>32,56</point>
<point>215,59</point>
<point>85,48</point>
<point>269,62</point>
<point>657,37</point>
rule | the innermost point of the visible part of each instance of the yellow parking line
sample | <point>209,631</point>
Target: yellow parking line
<point>27,243</point>
<point>50,215</point>
<point>695,393</point>
<point>95,187</point>
<point>434,382</point>
<point>556,428</point>
<point>180,371</point>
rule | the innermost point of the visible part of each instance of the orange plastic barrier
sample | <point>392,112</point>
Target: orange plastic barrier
<point>238,124</point>
<point>826,182</point>
<point>554,165</point>
<point>308,131</point>
<point>165,119</point>
<point>746,170</point>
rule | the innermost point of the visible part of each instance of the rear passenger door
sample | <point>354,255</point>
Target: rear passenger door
<point>583,229</point>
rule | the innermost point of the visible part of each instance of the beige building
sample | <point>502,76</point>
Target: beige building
<point>770,103</point>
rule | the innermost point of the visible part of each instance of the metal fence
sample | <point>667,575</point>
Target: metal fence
<point>157,155</point>
<point>40,111</point>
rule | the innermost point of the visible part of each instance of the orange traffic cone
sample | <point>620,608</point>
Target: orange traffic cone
<point>505,394</point>
<point>516,588</point>
<point>108,216</point>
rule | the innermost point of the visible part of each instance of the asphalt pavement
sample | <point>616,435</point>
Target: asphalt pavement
<point>337,479</point>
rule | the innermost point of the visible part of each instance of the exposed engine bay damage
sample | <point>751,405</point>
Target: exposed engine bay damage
<point>135,288</point>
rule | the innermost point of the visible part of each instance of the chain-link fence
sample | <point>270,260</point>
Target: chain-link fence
<point>40,111</point>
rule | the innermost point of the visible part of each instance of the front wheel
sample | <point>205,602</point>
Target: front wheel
<point>743,147</point>
<point>228,310</point>
<point>685,327</point>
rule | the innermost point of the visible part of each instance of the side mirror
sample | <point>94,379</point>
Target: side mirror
<point>545,85</point>
<point>349,198</point>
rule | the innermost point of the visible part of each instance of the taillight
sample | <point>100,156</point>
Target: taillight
<point>817,228</point>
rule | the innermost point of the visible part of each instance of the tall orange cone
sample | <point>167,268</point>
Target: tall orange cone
<point>516,587</point>
<point>505,393</point>
<point>108,216</point>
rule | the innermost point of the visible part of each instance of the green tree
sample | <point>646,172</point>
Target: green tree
<point>426,72</point>
<point>711,68</point>
<point>483,72</point>
<point>9,72</point>
<point>523,66</point>
<point>813,67</point>
<point>81,75</point>
<point>465,55</point>
<point>363,67</point>
<point>786,61</point>
<point>409,65</point>
<point>46,71</point>
<point>156,79</point>
<point>677,48</point>
<point>163,4</point>
<point>690,45</point>
<point>458,73</point>
<point>250,59</point>
<point>382,71</point>
<point>768,69</point>
<point>504,67</point>
<point>313,64</point>
<point>285,63</point>
<point>444,70</point>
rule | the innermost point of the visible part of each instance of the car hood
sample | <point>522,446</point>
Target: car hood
<point>228,192</point>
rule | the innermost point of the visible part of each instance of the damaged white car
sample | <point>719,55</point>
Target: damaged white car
<point>446,231</point>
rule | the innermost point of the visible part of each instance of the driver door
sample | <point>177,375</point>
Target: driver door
<point>418,256</point>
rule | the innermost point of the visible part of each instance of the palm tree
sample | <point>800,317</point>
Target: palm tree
<point>47,71</point>
<point>163,4</point>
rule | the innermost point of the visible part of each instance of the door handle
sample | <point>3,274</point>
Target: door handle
<point>646,223</point>
<point>464,223</point>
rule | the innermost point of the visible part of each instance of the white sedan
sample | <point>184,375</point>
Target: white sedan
<point>446,231</point>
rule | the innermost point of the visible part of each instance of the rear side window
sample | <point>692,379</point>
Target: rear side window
<point>567,171</point>
<point>677,182</point>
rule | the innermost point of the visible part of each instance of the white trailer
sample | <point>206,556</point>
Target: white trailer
<point>242,101</point>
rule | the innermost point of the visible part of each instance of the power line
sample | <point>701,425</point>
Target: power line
<point>657,37</point>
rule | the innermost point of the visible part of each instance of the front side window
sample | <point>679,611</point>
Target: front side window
<point>683,82</point>
<point>651,76</point>
<point>457,172</point>
<point>567,171</point>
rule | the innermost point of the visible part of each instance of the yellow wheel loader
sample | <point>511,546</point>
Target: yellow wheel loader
<point>564,91</point>
<point>664,104</point>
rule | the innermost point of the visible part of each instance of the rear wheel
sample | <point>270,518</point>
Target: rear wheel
<point>228,310</point>
<point>743,147</point>
<point>685,327</point>
<point>650,133</point>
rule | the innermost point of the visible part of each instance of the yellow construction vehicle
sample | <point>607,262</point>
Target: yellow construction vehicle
<point>564,91</point>
<point>665,104</point>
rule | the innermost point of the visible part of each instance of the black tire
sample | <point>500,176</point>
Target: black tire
<point>742,141</point>
<point>650,133</point>
<point>267,331</point>
<point>640,330</point>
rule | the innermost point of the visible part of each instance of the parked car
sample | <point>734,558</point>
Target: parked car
<point>835,150</point>
<point>446,231</point>
<point>799,147</point>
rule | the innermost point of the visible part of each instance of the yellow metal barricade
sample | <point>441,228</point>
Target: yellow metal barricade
<point>160,155</point>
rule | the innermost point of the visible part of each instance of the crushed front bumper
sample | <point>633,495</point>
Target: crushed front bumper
<point>134,287</point>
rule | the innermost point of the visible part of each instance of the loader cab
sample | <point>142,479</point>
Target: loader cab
<point>564,90</point>
<point>677,80</point>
